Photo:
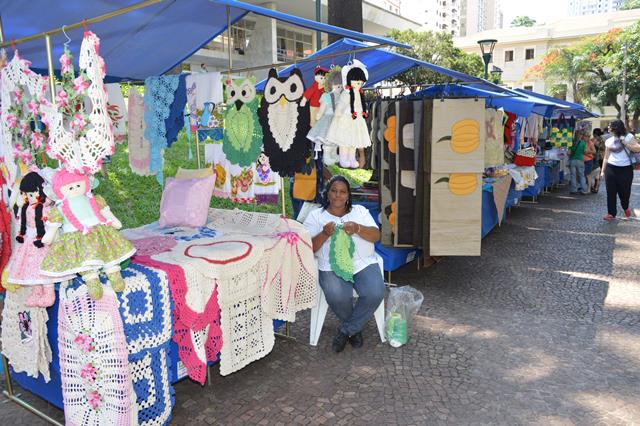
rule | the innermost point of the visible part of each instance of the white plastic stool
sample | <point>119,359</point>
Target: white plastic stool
<point>319,312</point>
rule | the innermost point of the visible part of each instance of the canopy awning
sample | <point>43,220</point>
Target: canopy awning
<point>141,43</point>
<point>381,63</point>
<point>569,108</point>
<point>511,101</point>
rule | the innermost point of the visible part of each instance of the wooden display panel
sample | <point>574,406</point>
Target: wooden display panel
<point>458,135</point>
<point>456,214</point>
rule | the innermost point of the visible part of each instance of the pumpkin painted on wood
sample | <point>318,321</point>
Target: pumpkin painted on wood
<point>461,183</point>
<point>465,136</point>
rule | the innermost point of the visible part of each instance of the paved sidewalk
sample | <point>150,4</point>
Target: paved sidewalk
<point>544,328</point>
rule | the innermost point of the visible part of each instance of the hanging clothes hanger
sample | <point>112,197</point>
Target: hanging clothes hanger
<point>66,43</point>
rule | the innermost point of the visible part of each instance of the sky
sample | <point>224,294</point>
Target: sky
<point>540,10</point>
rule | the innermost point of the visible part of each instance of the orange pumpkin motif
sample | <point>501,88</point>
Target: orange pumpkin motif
<point>390,133</point>
<point>465,136</point>
<point>461,183</point>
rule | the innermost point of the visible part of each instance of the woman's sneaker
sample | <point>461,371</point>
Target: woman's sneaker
<point>627,213</point>
<point>609,217</point>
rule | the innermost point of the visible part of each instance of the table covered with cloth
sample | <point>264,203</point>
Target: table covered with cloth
<point>192,297</point>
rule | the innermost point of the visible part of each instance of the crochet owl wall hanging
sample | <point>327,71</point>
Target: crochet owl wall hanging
<point>285,124</point>
<point>242,132</point>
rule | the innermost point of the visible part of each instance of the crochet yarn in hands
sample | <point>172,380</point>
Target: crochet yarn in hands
<point>285,124</point>
<point>242,132</point>
<point>341,254</point>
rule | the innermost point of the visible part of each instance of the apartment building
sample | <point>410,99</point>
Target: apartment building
<point>593,7</point>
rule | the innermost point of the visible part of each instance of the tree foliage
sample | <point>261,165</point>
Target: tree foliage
<point>436,48</point>
<point>523,21</point>
<point>593,69</point>
<point>630,4</point>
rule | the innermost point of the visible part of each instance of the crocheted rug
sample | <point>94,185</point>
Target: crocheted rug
<point>96,382</point>
<point>24,335</point>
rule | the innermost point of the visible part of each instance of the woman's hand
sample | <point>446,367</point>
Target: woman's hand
<point>351,228</point>
<point>328,229</point>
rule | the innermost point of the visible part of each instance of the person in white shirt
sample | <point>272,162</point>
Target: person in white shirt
<point>368,281</point>
<point>617,168</point>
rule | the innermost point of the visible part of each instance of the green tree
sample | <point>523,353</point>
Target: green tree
<point>436,48</point>
<point>523,21</point>
<point>630,4</point>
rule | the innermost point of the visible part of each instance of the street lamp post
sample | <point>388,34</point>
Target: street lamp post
<point>486,47</point>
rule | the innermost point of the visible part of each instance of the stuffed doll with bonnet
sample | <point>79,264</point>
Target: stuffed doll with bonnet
<point>33,208</point>
<point>324,116</point>
<point>349,129</point>
<point>313,93</point>
<point>89,241</point>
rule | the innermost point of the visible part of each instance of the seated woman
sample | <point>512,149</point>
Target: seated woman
<point>368,281</point>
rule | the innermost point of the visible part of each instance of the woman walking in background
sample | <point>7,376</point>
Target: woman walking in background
<point>576,165</point>
<point>617,168</point>
<point>589,160</point>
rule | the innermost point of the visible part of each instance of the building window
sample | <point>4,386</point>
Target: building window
<point>508,55</point>
<point>240,36</point>
<point>293,44</point>
<point>528,87</point>
<point>529,54</point>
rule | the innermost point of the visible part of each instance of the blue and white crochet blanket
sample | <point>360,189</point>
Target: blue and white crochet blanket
<point>146,309</point>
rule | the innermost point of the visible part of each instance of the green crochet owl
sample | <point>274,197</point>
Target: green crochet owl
<point>341,251</point>
<point>242,132</point>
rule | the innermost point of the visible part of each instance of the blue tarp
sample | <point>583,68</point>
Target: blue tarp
<point>570,108</point>
<point>520,104</point>
<point>381,64</point>
<point>142,43</point>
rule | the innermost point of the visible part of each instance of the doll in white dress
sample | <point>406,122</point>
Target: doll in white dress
<point>349,129</point>
<point>324,117</point>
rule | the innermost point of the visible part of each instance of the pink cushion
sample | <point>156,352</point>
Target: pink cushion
<point>185,202</point>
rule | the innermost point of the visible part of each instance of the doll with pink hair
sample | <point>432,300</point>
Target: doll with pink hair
<point>89,241</point>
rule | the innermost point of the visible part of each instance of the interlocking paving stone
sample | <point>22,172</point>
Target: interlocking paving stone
<point>543,328</point>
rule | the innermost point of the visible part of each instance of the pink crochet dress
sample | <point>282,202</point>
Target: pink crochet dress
<point>26,258</point>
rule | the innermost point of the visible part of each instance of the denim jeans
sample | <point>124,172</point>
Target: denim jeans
<point>369,285</point>
<point>577,174</point>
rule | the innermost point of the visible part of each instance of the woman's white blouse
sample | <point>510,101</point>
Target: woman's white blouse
<point>364,254</point>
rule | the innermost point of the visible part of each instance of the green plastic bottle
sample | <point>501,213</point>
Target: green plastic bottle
<point>397,330</point>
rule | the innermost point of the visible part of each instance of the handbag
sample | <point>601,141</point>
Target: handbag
<point>525,157</point>
<point>561,134</point>
<point>634,157</point>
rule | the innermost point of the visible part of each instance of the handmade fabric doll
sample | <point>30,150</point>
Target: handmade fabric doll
<point>325,114</point>
<point>90,241</point>
<point>285,123</point>
<point>313,93</point>
<point>266,181</point>
<point>29,253</point>
<point>349,129</point>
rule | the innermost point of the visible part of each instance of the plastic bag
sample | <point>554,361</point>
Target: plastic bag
<point>403,304</point>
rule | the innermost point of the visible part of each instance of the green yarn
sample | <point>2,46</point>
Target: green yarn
<point>341,251</point>
<point>242,134</point>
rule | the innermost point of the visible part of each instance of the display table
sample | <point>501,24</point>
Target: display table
<point>535,190</point>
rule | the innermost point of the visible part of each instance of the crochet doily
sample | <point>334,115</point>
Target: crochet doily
<point>16,138</point>
<point>150,377</point>
<point>290,280</point>
<point>84,154</point>
<point>242,132</point>
<point>139,147</point>
<point>341,251</point>
<point>196,331</point>
<point>96,382</point>
<point>149,246</point>
<point>24,335</point>
<point>159,93</point>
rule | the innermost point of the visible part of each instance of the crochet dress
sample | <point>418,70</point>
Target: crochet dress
<point>319,132</point>
<point>27,258</point>
<point>74,252</point>
<point>346,131</point>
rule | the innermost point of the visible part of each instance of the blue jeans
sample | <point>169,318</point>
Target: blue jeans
<point>369,285</point>
<point>577,174</point>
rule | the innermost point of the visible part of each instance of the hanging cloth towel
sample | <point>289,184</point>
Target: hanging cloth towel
<point>175,121</point>
<point>139,147</point>
<point>159,93</point>
<point>202,88</point>
<point>117,111</point>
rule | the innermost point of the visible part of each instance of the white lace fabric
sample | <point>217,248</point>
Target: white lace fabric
<point>24,335</point>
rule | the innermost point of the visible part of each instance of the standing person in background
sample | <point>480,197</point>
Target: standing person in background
<point>598,143</point>
<point>576,165</point>
<point>617,168</point>
<point>589,160</point>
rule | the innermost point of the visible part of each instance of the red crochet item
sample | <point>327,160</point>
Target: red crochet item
<point>5,230</point>
<point>187,322</point>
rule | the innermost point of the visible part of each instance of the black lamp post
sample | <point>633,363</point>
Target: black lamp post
<point>486,47</point>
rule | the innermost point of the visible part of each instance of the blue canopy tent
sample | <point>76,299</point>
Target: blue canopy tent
<point>140,43</point>
<point>570,108</point>
<point>511,101</point>
<point>381,64</point>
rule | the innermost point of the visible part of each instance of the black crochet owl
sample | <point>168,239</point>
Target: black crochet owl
<point>285,123</point>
